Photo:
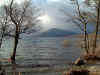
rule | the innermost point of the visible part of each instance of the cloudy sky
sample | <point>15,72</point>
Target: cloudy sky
<point>54,13</point>
<point>53,16</point>
<point>57,13</point>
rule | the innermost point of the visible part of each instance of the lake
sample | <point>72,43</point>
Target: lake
<point>57,52</point>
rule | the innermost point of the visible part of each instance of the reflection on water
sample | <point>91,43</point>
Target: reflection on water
<point>49,51</point>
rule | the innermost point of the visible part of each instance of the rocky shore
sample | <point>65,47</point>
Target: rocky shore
<point>83,70</point>
<point>88,65</point>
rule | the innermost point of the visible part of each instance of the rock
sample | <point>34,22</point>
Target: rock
<point>79,62</point>
<point>80,72</point>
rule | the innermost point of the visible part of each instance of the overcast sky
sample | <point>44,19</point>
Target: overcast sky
<point>53,16</point>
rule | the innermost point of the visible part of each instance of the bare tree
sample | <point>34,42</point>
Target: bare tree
<point>2,29</point>
<point>84,21</point>
<point>22,18</point>
<point>97,26</point>
<point>95,18</point>
<point>81,21</point>
<point>3,26</point>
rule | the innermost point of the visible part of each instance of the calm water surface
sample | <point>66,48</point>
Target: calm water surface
<point>50,51</point>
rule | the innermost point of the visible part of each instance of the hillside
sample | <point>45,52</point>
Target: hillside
<point>56,33</point>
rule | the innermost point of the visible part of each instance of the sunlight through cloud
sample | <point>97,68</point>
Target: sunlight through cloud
<point>45,19</point>
<point>54,0</point>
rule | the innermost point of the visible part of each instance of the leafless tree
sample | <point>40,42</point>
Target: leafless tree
<point>94,18</point>
<point>2,29</point>
<point>84,21</point>
<point>81,21</point>
<point>4,24</point>
<point>97,26</point>
<point>22,18</point>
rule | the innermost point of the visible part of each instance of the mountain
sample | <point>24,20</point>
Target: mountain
<point>56,33</point>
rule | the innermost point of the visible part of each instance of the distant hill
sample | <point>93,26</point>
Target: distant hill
<point>56,33</point>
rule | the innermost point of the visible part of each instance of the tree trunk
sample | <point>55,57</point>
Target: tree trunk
<point>1,38</point>
<point>15,44</point>
<point>82,19</point>
<point>0,42</point>
<point>96,30</point>
<point>85,38</point>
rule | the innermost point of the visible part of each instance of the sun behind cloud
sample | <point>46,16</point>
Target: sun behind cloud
<point>45,19</point>
<point>54,0</point>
